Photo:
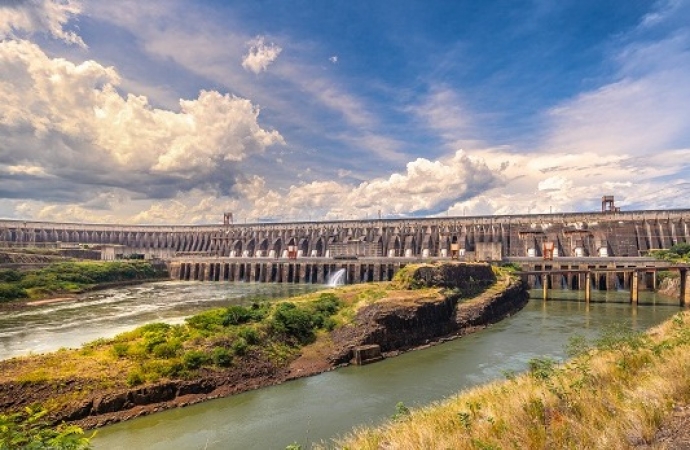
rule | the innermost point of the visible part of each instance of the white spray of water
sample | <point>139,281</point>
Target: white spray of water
<point>337,278</point>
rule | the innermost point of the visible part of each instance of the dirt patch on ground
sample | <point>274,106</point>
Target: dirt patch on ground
<point>674,433</point>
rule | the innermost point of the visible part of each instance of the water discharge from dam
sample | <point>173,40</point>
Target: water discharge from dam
<point>320,407</point>
<point>337,279</point>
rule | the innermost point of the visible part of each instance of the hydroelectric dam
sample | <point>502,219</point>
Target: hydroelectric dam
<point>373,250</point>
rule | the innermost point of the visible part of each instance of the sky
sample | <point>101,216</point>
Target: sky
<point>177,111</point>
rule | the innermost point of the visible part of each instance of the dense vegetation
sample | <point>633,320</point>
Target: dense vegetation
<point>27,430</point>
<point>615,393</point>
<point>230,338</point>
<point>216,338</point>
<point>70,277</point>
<point>677,253</point>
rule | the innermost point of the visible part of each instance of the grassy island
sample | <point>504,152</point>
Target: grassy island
<point>231,349</point>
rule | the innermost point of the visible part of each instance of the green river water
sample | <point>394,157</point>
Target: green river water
<point>318,408</point>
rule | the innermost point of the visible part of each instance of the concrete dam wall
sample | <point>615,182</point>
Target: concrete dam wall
<point>605,234</point>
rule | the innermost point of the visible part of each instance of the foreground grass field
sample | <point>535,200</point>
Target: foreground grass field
<point>614,394</point>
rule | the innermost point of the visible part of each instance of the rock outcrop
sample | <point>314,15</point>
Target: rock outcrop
<point>401,325</point>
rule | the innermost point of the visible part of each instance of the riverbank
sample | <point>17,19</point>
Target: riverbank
<point>625,390</point>
<point>109,399</point>
<point>67,280</point>
<point>19,304</point>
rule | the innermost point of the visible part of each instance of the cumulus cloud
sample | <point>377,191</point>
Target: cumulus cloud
<point>67,122</point>
<point>260,55</point>
<point>39,16</point>
<point>425,187</point>
<point>333,59</point>
<point>565,182</point>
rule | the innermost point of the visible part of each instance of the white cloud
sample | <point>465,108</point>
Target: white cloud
<point>333,59</point>
<point>260,55</point>
<point>68,119</point>
<point>444,111</point>
<point>645,109</point>
<point>303,98</point>
<point>40,16</point>
<point>425,187</point>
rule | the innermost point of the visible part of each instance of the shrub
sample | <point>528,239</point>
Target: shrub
<point>153,370</point>
<point>28,430</point>
<point>328,303</point>
<point>249,334</point>
<point>239,347</point>
<point>541,368</point>
<point>236,315</point>
<point>666,274</point>
<point>194,359</point>
<point>259,311</point>
<point>221,357</point>
<point>207,321</point>
<point>329,324</point>
<point>11,292</point>
<point>681,249</point>
<point>135,378</point>
<point>291,321</point>
<point>167,350</point>
<point>120,349</point>
<point>10,276</point>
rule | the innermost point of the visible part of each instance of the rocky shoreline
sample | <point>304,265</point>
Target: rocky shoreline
<point>395,326</point>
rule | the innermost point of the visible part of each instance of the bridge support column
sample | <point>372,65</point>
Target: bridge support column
<point>634,288</point>
<point>545,286</point>
<point>685,288</point>
<point>588,287</point>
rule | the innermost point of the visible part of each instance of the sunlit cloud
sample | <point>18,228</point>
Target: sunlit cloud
<point>260,55</point>
<point>40,16</point>
<point>98,137</point>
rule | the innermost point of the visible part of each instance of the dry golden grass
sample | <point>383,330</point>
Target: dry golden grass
<point>97,363</point>
<point>614,397</point>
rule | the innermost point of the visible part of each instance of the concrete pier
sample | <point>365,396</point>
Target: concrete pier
<point>315,271</point>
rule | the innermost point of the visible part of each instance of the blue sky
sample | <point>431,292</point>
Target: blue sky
<point>176,111</point>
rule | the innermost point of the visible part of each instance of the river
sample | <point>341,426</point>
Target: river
<point>320,407</point>
<point>104,314</point>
